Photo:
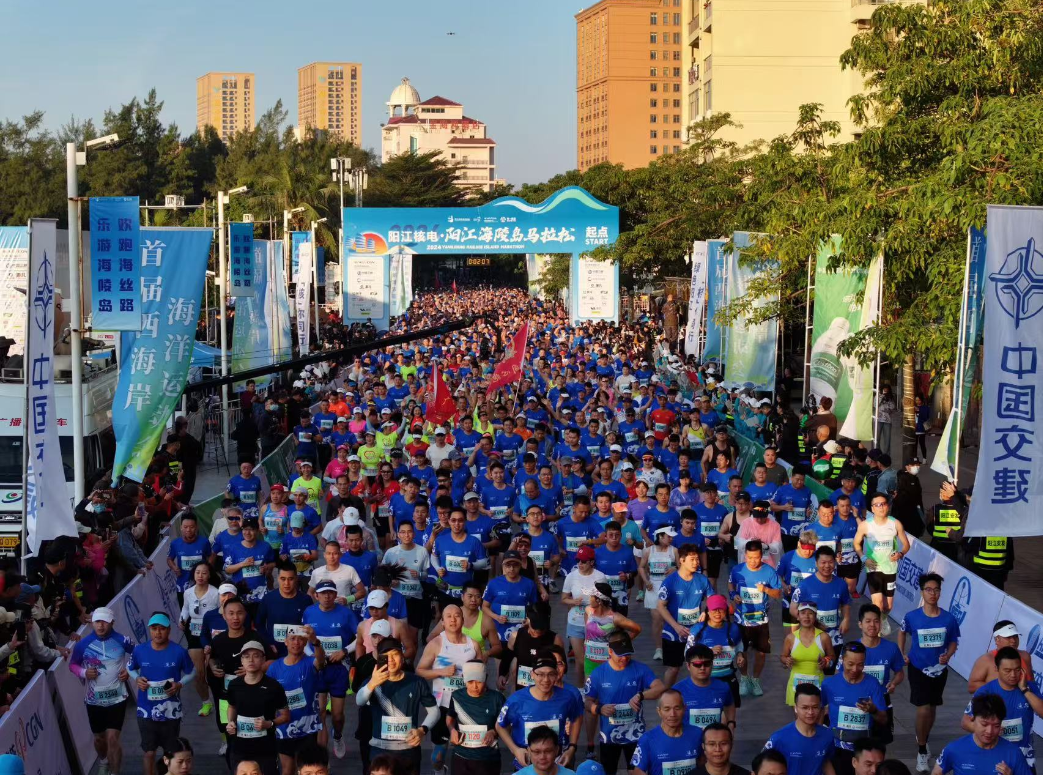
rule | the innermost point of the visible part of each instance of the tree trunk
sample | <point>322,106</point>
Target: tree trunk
<point>906,396</point>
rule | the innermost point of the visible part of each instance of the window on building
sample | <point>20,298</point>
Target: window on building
<point>654,55</point>
<point>677,72</point>
<point>677,118</point>
<point>709,95</point>
<point>677,87</point>
<point>693,104</point>
<point>654,134</point>
<point>653,87</point>
<point>653,149</point>
<point>653,37</point>
<point>653,103</point>
<point>677,134</point>
<point>653,19</point>
<point>677,103</point>
<point>653,118</point>
<point>677,38</point>
<point>414,144</point>
<point>653,71</point>
<point>677,56</point>
<point>677,20</point>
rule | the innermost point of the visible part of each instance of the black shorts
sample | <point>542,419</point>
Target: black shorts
<point>440,731</point>
<point>787,617</point>
<point>789,543</point>
<point>609,755</point>
<point>673,653</point>
<point>733,684</point>
<point>288,746</point>
<point>881,583</point>
<point>714,559</point>
<point>850,570</point>
<point>159,734</point>
<point>756,637</point>
<point>925,689</point>
<point>380,526</point>
<point>415,607</point>
<point>192,641</point>
<point>103,718</point>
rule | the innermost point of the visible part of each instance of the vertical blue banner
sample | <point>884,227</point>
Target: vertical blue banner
<point>320,256</point>
<point>297,238</point>
<point>241,254</point>
<point>154,363</point>
<point>115,269</point>
<point>715,298</point>
<point>251,337</point>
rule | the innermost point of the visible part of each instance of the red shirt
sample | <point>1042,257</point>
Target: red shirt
<point>662,419</point>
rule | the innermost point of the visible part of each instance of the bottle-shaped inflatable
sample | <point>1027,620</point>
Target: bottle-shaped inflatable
<point>826,369</point>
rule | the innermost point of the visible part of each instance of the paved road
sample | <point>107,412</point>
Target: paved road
<point>758,718</point>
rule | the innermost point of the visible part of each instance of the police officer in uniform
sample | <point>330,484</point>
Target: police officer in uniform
<point>991,557</point>
<point>947,522</point>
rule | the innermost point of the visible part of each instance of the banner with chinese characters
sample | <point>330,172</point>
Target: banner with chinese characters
<point>251,339</point>
<point>847,300</point>
<point>1007,499</point>
<point>696,299</point>
<point>749,358</point>
<point>401,280</point>
<point>115,276</point>
<point>297,238</point>
<point>303,297</point>
<point>947,456</point>
<point>367,291</point>
<point>594,289</point>
<point>14,265</point>
<point>716,297</point>
<point>569,221</point>
<point>154,363</point>
<point>241,256</point>
<point>278,311</point>
<point>47,512</point>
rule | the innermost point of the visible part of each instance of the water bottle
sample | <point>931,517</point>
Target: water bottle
<point>826,368</point>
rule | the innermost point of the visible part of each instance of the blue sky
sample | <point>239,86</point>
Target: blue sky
<point>512,64</point>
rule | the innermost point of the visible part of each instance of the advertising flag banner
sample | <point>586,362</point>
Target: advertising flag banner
<point>441,407</point>
<point>716,297</point>
<point>47,513</point>
<point>367,289</point>
<point>320,267</point>
<point>696,299</point>
<point>115,274</point>
<point>509,370</point>
<point>749,358</point>
<point>154,363</point>
<point>947,455</point>
<point>397,270</point>
<point>30,731</point>
<point>14,266</point>
<point>279,316</point>
<point>251,338</point>
<point>241,250</point>
<point>847,300</point>
<point>1010,461</point>
<point>303,299</point>
<point>595,289</point>
<point>297,238</point>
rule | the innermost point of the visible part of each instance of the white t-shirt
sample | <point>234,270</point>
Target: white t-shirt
<point>417,561</point>
<point>345,577</point>
<point>579,586</point>
<point>437,454</point>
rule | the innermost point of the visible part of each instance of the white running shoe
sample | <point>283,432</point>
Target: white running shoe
<point>658,656</point>
<point>223,749</point>
<point>744,686</point>
<point>923,761</point>
<point>755,687</point>
<point>339,747</point>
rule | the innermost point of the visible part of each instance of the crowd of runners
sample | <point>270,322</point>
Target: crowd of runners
<point>412,570</point>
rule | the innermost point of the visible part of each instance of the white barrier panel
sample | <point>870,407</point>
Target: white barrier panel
<point>70,694</point>
<point>974,603</point>
<point>30,730</point>
<point>1030,624</point>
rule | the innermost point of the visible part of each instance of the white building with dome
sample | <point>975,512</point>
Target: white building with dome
<point>439,124</point>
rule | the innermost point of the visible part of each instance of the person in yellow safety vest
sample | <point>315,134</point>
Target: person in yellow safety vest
<point>990,557</point>
<point>947,521</point>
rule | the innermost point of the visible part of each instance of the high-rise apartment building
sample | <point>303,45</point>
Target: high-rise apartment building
<point>629,99</point>
<point>329,97</point>
<point>226,102</point>
<point>760,60</point>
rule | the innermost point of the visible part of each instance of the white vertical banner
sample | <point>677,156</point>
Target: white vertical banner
<point>29,730</point>
<point>303,297</point>
<point>1010,463</point>
<point>397,285</point>
<point>407,277</point>
<point>594,293</point>
<point>47,513</point>
<point>696,299</point>
<point>367,287</point>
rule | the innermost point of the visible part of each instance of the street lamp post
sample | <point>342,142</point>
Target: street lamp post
<point>286,215</point>
<point>224,198</point>
<point>73,161</point>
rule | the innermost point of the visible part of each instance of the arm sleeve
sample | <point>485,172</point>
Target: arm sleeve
<point>362,696</point>
<point>76,658</point>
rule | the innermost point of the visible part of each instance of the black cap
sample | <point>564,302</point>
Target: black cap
<point>251,522</point>
<point>620,643</point>
<point>762,506</point>
<point>542,662</point>
<point>511,554</point>
<point>538,618</point>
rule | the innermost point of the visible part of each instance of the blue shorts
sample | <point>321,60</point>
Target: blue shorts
<point>575,631</point>
<point>334,680</point>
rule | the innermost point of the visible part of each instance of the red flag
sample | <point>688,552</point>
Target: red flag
<point>441,407</point>
<point>509,370</point>
<point>454,287</point>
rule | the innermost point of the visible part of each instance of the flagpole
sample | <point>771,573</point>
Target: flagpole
<point>961,365</point>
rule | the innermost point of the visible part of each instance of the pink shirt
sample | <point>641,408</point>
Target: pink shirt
<point>768,533</point>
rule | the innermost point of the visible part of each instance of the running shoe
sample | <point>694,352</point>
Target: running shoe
<point>885,628</point>
<point>339,747</point>
<point>207,709</point>
<point>923,761</point>
<point>658,656</point>
<point>744,686</point>
<point>755,687</point>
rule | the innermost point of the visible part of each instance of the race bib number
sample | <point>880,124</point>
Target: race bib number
<point>525,676</point>
<point>410,588</point>
<point>616,583</point>
<point>829,619</point>
<point>195,627</point>
<point>244,727</point>
<point>682,767</point>
<point>853,719</point>
<point>1013,730</point>
<point>796,576</point>
<point>539,558</point>
<point>456,564</point>
<point>596,652</point>
<point>454,682</point>
<point>304,438</point>
<point>248,496</point>
<point>498,512</point>
<point>325,424</point>
<point>877,671</point>
<point>659,567</point>
<point>710,529</point>
<point>847,545</point>
<point>110,695</point>
<point>686,617</point>
<point>251,571</point>
<point>622,715</point>
<point>931,638</point>
<point>567,497</point>
<point>295,699</point>
<point>188,560</point>
<point>802,678</point>
<point>395,727</point>
<point>473,735</point>
<point>723,660</point>
<point>702,717</point>
<point>331,643</point>
<point>279,632</point>
<point>800,514</point>
<point>531,725</point>
<point>384,511</point>
<point>515,614</point>
<point>272,522</point>
<point>573,543</point>
<point>157,691</point>
<point>751,596</point>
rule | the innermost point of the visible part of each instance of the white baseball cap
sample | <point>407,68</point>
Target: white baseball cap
<point>378,598</point>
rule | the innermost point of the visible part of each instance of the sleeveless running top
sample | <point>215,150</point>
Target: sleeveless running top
<point>880,543</point>
<point>455,654</point>
<point>596,631</point>
<point>806,669</point>
<point>526,647</point>
<point>474,632</point>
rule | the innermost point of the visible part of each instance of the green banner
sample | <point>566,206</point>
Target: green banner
<point>751,453</point>
<point>847,300</point>
<point>749,357</point>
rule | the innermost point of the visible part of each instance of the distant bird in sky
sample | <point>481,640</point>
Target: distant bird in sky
<point>450,33</point>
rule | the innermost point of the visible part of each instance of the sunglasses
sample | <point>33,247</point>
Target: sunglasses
<point>701,663</point>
